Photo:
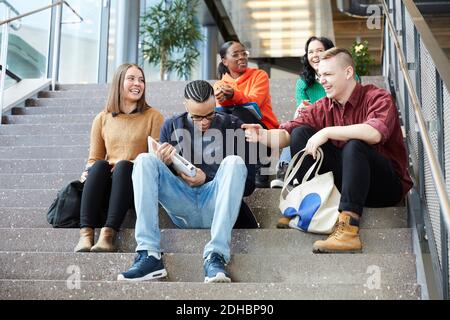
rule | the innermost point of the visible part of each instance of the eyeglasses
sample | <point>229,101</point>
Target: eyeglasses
<point>236,55</point>
<point>209,117</point>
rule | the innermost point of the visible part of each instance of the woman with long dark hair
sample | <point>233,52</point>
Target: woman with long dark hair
<point>308,90</point>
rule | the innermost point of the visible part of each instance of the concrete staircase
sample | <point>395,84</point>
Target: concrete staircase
<point>44,145</point>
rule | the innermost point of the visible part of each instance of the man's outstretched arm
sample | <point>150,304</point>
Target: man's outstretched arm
<point>275,138</point>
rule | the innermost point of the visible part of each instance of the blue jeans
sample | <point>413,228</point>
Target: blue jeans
<point>285,155</point>
<point>213,205</point>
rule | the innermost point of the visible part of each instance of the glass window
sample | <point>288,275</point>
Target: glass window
<point>28,39</point>
<point>80,42</point>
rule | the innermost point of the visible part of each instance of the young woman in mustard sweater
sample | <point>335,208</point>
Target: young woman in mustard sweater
<point>119,134</point>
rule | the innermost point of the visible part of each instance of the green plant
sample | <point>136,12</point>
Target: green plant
<point>362,57</point>
<point>170,33</point>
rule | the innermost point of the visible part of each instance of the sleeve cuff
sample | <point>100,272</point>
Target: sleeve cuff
<point>380,127</point>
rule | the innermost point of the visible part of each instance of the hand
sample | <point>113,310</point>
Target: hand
<point>253,132</point>
<point>219,95</point>
<point>195,181</point>
<point>228,91</point>
<point>83,176</point>
<point>316,141</point>
<point>165,152</point>
<point>305,104</point>
<point>223,93</point>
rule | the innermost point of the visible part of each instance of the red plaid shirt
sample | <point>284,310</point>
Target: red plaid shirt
<point>367,105</point>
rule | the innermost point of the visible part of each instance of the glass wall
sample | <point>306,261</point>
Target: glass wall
<point>279,29</point>
<point>28,40</point>
<point>80,42</point>
<point>112,39</point>
<point>152,72</point>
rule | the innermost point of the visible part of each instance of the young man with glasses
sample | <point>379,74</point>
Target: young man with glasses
<point>209,200</point>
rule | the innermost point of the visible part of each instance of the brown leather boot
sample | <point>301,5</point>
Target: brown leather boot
<point>106,240</point>
<point>86,240</point>
<point>283,223</point>
<point>344,239</point>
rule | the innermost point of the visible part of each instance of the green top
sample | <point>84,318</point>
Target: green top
<point>313,93</point>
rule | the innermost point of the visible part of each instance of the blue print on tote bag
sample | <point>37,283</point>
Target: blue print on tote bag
<point>313,204</point>
<point>308,207</point>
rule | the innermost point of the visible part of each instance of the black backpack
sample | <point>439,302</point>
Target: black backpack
<point>64,212</point>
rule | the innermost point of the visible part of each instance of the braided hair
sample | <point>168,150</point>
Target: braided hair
<point>309,74</point>
<point>198,90</point>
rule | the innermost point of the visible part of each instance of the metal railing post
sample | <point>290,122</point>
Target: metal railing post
<point>441,159</point>
<point>4,55</point>
<point>56,46</point>
<point>405,88</point>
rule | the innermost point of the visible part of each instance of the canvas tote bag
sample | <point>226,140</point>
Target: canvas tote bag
<point>312,205</point>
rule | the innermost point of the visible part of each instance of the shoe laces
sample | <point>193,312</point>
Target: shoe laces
<point>337,233</point>
<point>216,260</point>
<point>141,255</point>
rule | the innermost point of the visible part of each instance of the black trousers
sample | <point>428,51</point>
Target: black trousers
<point>107,195</point>
<point>363,176</point>
<point>262,150</point>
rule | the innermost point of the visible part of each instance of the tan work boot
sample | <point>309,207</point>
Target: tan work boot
<point>86,240</point>
<point>105,242</point>
<point>283,223</point>
<point>344,239</point>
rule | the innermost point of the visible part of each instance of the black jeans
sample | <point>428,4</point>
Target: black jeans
<point>107,195</point>
<point>263,152</point>
<point>363,176</point>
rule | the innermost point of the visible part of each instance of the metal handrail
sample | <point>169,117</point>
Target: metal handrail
<point>12,75</point>
<point>55,52</point>
<point>42,9</point>
<point>439,58</point>
<point>435,168</point>
<point>10,6</point>
<point>13,9</point>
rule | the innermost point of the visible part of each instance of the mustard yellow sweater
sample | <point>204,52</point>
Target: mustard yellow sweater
<point>124,136</point>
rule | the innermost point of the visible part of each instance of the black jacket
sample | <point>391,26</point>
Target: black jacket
<point>222,122</point>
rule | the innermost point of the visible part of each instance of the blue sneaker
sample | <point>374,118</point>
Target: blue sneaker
<point>145,267</point>
<point>214,267</point>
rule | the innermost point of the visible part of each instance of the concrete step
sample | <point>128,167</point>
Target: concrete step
<point>36,181</point>
<point>169,109</point>
<point>244,241</point>
<point>171,87</point>
<point>54,110</point>
<point>267,213</point>
<point>287,268</point>
<point>44,152</point>
<point>43,197</point>
<point>45,129</point>
<point>167,104</point>
<point>62,166</point>
<point>62,118</point>
<point>158,290</point>
<point>45,140</point>
<point>49,118</point>
<point>18,217</point>
<point>93,102</point>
